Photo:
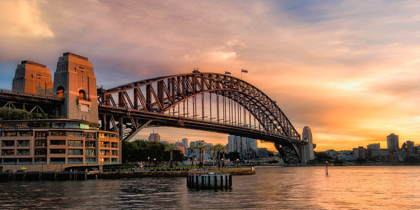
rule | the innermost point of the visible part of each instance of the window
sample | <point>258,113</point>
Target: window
<point>75,143</point>
<point>57,142</point>
<point>90,144</point>
<point>105,152</point>
<point>8,143</point>
<point>60,92</point>
<point>57,151</point>
<point>90,152</point>
<point>82,95</point>
<point>75,152</point>
<point>23,143</point>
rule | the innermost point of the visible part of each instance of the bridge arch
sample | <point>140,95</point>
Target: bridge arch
<point>130,107</point>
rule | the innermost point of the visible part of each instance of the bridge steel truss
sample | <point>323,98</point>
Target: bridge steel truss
<point>203,101</point>
<point>29,102</point>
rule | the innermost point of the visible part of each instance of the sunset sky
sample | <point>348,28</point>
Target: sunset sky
<point>347,69</point>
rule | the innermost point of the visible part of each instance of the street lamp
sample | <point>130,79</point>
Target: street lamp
<point>148,161</point>
<point>223,163</point>
<point>154,159</point>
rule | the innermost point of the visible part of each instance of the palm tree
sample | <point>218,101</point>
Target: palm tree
<point>219,148</point>
<point>214,150</point>
<point>224,150</point>
<point>202,148</point>
<point>191,149</point>
<point>170,148</point>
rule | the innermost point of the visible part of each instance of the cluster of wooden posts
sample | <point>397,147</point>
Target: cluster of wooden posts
<point>209,181</point>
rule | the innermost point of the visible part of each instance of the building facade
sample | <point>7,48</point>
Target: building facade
<point>186,145</point>
<point>392,142</point>
<point>374,146</point>
<point>57,141</point>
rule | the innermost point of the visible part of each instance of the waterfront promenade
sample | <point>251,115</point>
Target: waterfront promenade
<point>118,173</point>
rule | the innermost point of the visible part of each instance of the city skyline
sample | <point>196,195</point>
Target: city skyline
<point>338,67</point>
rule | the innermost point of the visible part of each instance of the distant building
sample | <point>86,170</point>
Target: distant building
<point>308,153</point>
<point>181,147</point>
<point>346,152</point>
<point>346,157</point>
<point>164,142</point>
<point>359,152</point>
<point>392,142</point>
<point>241,144</point>
<point>409,144</point>
<point>185,142</point>
<point>374,146</point>
<point>377,153</point>
<point>154,137</point>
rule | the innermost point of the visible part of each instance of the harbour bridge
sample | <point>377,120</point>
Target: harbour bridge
<point>202,101</point>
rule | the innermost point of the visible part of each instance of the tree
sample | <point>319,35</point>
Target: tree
<point>339,162</point>
<point>170,148</point>
<point>201,148</point>
<point>213,149</point>
<point>7,113</point>
<point>232,156</point>
<point>321,157</point>
<point>361,160</point>
<point>411,160</point>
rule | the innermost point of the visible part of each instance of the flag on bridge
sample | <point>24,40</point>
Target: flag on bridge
<point>244,71</point>
<point>227,72</point>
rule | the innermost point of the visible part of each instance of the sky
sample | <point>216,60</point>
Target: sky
<point>347,69</point>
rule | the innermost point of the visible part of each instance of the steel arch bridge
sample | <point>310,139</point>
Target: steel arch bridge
<point>203,101</point>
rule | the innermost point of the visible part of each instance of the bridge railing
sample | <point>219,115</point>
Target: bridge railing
<point>27,94</point>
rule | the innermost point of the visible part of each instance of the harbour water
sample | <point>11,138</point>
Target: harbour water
<point>351,187</point>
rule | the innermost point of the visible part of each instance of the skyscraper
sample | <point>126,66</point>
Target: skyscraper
<point>154,137</point>
<point>240,144</point>
<point>185,142</point>
<point>308,153</point>
<point>392,142</point>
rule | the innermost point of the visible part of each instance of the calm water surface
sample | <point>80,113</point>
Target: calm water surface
<point>352,187</point>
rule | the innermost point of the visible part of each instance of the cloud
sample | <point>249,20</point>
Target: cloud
<point>347,69</point>
<point>23,19</point>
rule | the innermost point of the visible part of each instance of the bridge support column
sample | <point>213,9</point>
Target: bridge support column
<point>289,153</point>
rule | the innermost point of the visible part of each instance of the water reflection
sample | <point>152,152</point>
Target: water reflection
<point>271,188</point>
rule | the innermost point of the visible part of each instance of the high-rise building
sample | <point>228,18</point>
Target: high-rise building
<point>392,142</point>
<point>359,152</point>
<point>308,152</point>
<point>185,142</point>
<point>241,144</point>
<point>374,146</point>
<point>231,143</point>
<point>154,137</point>
<point>410,144</point>
<point>181,147</point>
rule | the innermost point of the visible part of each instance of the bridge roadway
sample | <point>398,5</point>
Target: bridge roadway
<point>182,122</point>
